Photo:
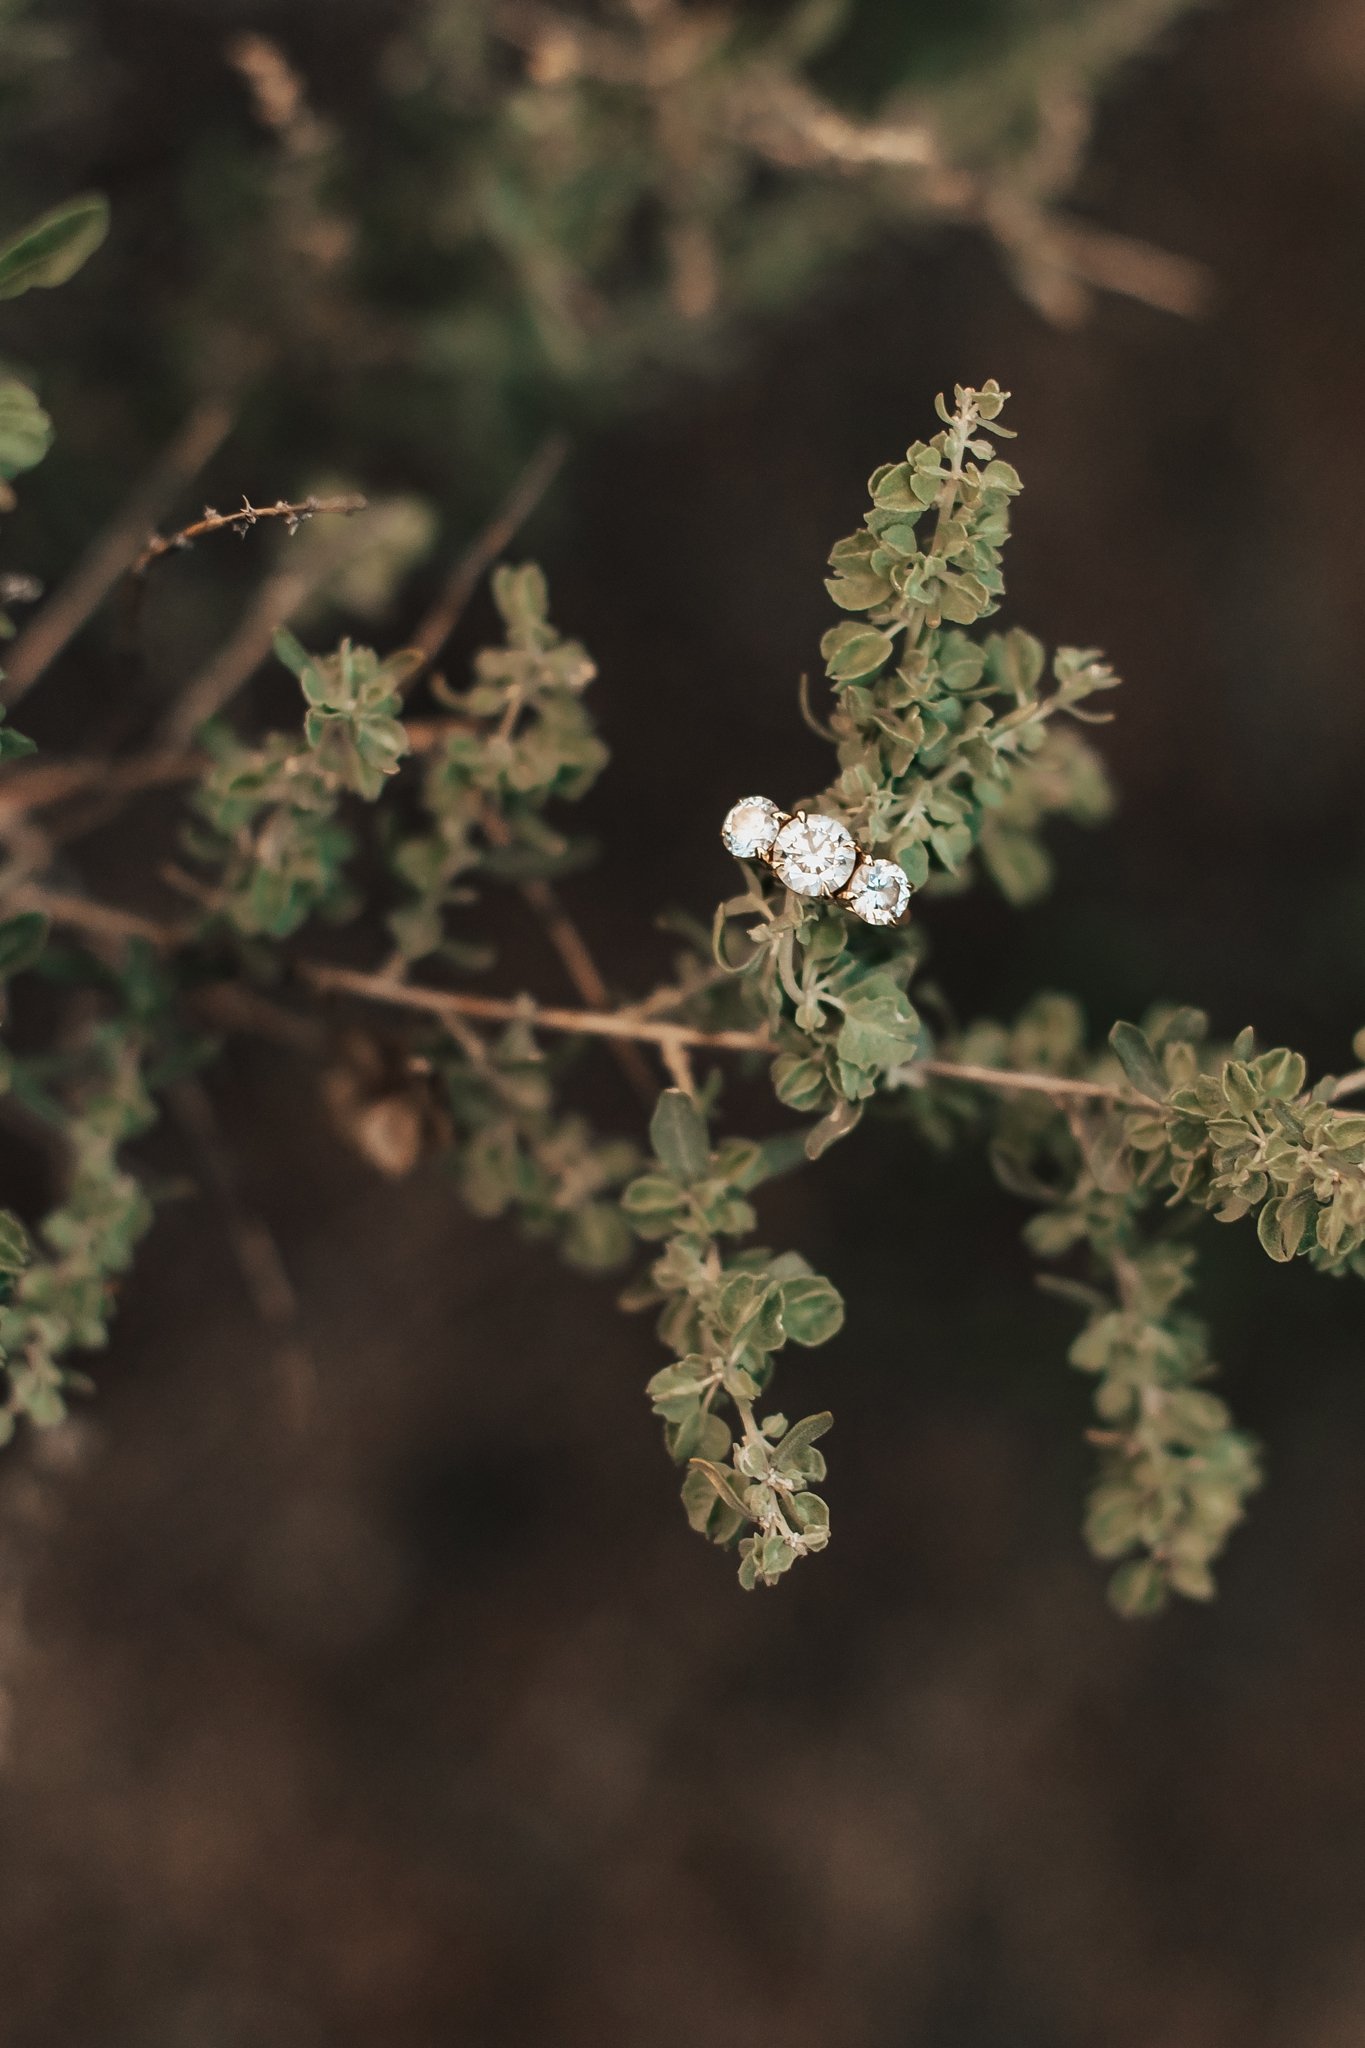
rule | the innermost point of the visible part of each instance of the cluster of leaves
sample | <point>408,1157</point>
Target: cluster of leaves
<point>949,756</point>
<point>1176,1125</point>
<point>57,1293</point>
<point>272,810</point>
<point>45,253</point>
<point>725,1318</point>
<point>1174,1474</point>
<point>945,745</point>
<point>937,731</point>
<point>516,1152</point>
<point>948,750</point>
<point>1251,1138</point>
<point>517,739</point>
<point>59,1297</point>
<point>636,177</point>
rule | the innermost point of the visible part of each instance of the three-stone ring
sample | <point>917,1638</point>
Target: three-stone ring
<point>816,856</point>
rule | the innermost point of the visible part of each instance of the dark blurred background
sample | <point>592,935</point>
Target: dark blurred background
<point>428,1722</point>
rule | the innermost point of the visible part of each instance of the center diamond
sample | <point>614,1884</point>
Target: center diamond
<point>814,856</point>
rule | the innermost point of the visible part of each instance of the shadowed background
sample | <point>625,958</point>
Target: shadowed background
<point>428,1721</point>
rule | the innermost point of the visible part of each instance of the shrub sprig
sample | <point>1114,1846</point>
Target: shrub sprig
<point>951,751</point>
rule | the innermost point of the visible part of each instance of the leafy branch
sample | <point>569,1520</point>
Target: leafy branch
<point>954,743</point>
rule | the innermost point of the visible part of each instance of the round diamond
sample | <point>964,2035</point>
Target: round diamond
<point>878,892</point>
<point>750,827</point>
<point>814,856</point>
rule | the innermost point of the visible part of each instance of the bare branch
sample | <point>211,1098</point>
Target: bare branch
<point>1060,1086</point>
<point>630,1025</point>
<point>615,1024</point>
<point>241,522</point>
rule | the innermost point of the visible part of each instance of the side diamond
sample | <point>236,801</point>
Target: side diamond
<point>814,856</point>
<point>750,827</point>
<point>878,892</point>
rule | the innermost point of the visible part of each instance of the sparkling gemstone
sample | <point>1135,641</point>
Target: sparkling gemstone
<point>750,827</point>
<point>878,892</point>
<point>814,855</point>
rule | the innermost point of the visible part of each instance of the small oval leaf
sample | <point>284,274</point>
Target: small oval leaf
<point>52,248</point>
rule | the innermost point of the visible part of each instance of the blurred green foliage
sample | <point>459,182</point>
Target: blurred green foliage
<point>498,215</point>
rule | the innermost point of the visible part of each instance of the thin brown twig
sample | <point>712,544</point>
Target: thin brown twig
<point>521,501</point>
<point>241,522</point>
<point>112,551</point>
<point>35,785</point>
<point>1058,1085</point>
<point>672,998</point>
<point>98,920</point>
<point>613,1024</point>
<point>575,955</point>
<point>218,682</point>
<point>679,1063</point>
<point>632,1024</point>
<point>583,972</point>
<point>1132,268</point>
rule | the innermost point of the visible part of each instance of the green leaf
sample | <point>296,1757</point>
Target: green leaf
<point>1281,1073</point>
<point>800,1436</point>
<point>1018,863</point>
<point>890,488</point>
<point>677,1131</point>
<point>720,1482</point>
<point>1138,1061</point>
<point>1270,1232</point>
<point>811,1516</point>
<point>1185,1026</point>
<point>653,1203</point>
<point>14,745</point>
<point>25,429</point>
<point>597,1238</point>
<point>812,1309</point>
<point>22,939</point>
<point>293,654</point>
<point>522,596</point>
<point>15,1249</point>
<point>707,1513</point>
<point>53,247</point>
<point>852,652</point>
<point>843,1118</point>
<point>1137,1588</point>
<point>880,1030</point>
<point>800,1083</point>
